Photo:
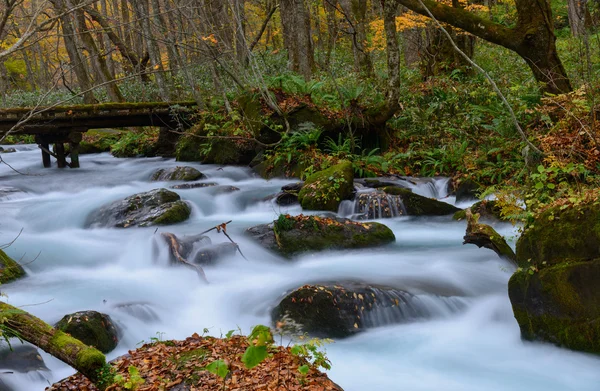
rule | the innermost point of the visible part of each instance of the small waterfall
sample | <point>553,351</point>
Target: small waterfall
<point>428,187</point>
<point>373,204</point>
<point>396,306</point>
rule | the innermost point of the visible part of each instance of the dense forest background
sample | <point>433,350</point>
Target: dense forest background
<point>307,83</point>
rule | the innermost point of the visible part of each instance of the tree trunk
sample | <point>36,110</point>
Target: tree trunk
<point>532,38</point>
<point>390,8</point>
<point>142,9</point>
<point>332,28</point>
<point>356,14</point>
<point>579,16</point>
<point>69,350</point>
<point>98,61</point>
<point>79,67</point>
<point>297,39</point>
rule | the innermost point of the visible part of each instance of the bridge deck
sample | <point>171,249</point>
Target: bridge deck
<point>65,124</point>
<point>61,119</point>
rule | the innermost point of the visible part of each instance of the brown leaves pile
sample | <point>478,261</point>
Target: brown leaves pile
<point>165,365</point>
<point>574,135</point>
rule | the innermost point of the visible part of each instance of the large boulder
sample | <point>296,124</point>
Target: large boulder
<point>292,235</point>
<point>341,310</point>
<point>467,190</point>
<point>92,328</point>
<point>559,304</point>
<point>325,189</point>
<point>156,207</point>
<point>488,210</point>
<point>179,173</point>
<point>197,145</point>
<point>558,236</point>
<point>555,293</point>
<point>10,270</point>
<point>417,205</point>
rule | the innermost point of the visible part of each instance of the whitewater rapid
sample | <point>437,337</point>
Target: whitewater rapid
<point>114,271</point>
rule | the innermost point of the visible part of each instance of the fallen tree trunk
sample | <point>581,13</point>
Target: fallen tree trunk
<point>87,360</point>
<point>482,235</point>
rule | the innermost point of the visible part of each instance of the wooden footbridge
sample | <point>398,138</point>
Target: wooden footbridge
<point>62,125</point>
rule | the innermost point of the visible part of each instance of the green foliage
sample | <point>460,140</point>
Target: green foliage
<point>260,339</point>
<point>131,382</point>
<point>312,353</point>
<point>219,368</point>
<point>133,144</point>
<point>106,376</point>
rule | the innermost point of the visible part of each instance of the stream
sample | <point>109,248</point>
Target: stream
<point>475,346</point>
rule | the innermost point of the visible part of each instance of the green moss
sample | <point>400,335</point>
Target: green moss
<point>179,173</point>
<point>558,235</point>
<point>311,233</point>
<point>176,213</point>
<point>92,328</point>
<point>417,205</point>
<point>196,355</point>
<point>559,304</point>
<point>134,144</point>
<point>485,208</point>
<point>326,189</point>
<point>98,141</point>
<point>10,270</point>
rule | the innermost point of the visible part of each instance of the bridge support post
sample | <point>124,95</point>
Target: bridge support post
<point>60,154</point>
<point>44,146</point>
<point>74,140</point>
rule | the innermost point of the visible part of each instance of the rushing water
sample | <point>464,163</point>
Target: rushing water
<point>475,347</point>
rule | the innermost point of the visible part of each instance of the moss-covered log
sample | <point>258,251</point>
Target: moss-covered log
<point>87,360</point>
<point>482,235</point>
<point>10,270</point>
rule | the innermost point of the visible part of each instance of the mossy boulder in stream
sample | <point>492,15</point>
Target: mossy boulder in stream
<point>488,210</point>
<point>156,207</point>
<point>325,189</point>
<point>556,236</point>
<point>417,205</point>
<point>341,310</point>
<point>292,235</point>
<point>555,293</point>
<point>92,328</point>
<point>10,270</point>
<point>559,304</point>
<point>179,173</point>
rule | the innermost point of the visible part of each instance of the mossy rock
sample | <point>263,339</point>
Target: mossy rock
<point>92,328</point>
<point>298,234</point>
<point>342,310</point>
<point>467,190</point>
<point>179,173</point>
<point>10,270</point>
<point>417,205</point>
<point>487,210</point>
<point>559,304</point>
<point>156,207</point>
<point>556,236</point>
<point>134,144</point>
<point>195,145</point>
<point>98,141</point>
<point>326,189</point>
<point>272,167</point>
